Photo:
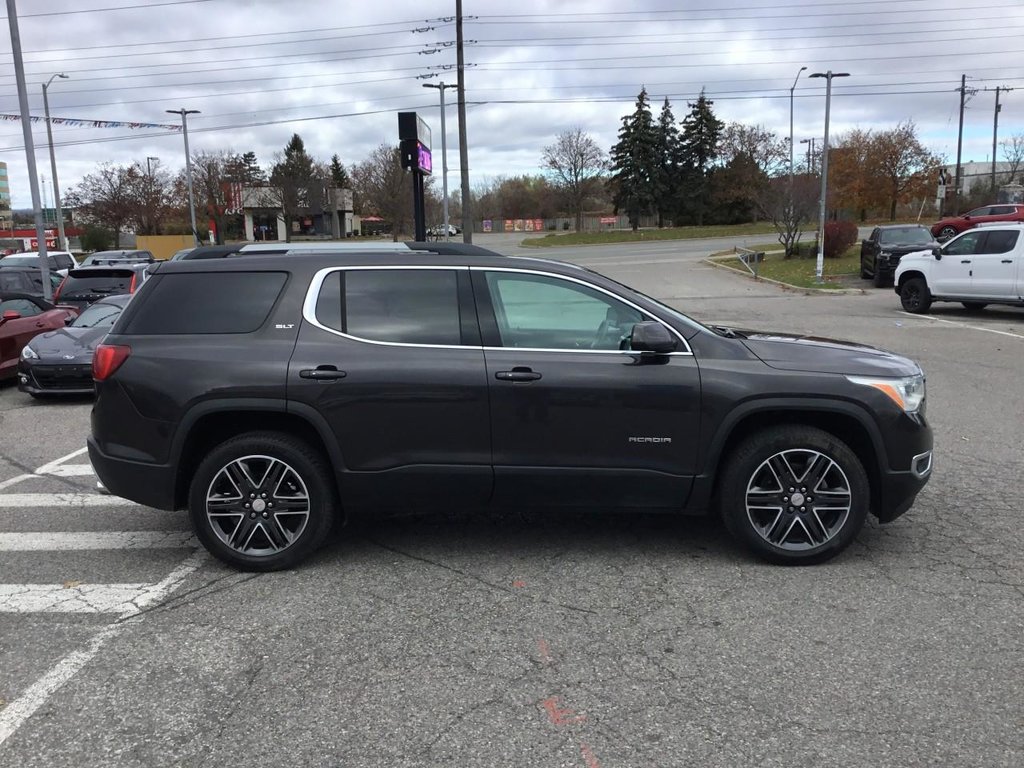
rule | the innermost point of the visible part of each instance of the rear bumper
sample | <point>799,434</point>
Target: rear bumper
<point>149,484</point>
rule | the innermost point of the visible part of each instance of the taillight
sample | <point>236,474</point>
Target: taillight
<point>131,285</point>
<point>107,359</point>
<point>56,294</point>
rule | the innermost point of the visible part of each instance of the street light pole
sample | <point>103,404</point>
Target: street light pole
<point>791,134</point>
<point>444,155</point>
<point>810,153</point>
<point>62,243</point>
<point>188,166</point>
<point>820,266</point>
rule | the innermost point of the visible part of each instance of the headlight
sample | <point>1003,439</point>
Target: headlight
<point>28,353</point>
<point>907,393</point>
<point>885,254</point>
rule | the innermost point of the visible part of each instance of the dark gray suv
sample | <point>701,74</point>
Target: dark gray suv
<point>270,395</point>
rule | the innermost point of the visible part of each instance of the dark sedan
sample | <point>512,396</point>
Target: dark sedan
<point>60,362</point>
<point>880,254</point>
<point>22,318</point>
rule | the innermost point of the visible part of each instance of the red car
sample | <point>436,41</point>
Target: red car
<point>954,225</point>
<point>22,317</point>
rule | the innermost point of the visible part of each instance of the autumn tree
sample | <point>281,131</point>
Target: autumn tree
<point>904,167</point>
<point>576,163</point>
<point>853,181</point>
<point>634,162</point>
<point>384,188</point>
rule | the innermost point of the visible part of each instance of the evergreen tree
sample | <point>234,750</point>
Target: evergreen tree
<point>339,176</point>
<point>252,173</point>
<point>635,162</point>
<point>670,160</point>
<point>700,138</point>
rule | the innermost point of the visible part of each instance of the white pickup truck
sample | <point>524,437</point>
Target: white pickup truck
<point>981,266</point>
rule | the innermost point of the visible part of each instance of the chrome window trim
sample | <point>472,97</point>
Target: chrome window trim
<point>313,293</point>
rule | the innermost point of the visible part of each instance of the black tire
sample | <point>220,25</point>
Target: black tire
<point>301,486</point>
<point>807,534</point>
<point>915,296</point>
<point>947,232</point>
<point>974,306</point>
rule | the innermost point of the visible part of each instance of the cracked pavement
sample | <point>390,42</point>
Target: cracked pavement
<point>541,639</point>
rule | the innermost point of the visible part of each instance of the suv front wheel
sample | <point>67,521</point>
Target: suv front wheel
<point>794,495</point>
<point>262,501</point>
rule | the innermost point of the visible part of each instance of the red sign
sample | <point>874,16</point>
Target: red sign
<point>33,244</point>
<point>609,219</point>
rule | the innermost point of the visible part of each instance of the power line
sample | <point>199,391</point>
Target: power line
<point>111,8</point>
<point>711,9</point>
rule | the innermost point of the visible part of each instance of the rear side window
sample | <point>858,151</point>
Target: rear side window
<point>105,284</point>
<point>1000,241</point>
<point>209,302</point>
<point>13,282</point>
<point>407,306</point>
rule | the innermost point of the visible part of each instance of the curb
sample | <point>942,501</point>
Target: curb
<point>714,262</point>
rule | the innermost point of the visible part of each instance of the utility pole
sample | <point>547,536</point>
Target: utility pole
<point>62,243</point>
<point>444,155</point>
<point>959,144</point>
<point>30,150</point>
<point>467,213</point>
<point>810,154</point>
<point>188,166</point>
<point>995,131</point>
<point>820,267</point>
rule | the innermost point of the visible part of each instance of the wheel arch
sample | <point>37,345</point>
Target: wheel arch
<point>213,422</point>
<point>846,421</point>
<point>911,273</point>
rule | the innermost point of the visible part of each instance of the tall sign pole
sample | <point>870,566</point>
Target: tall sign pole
<point>414,148</point>
<point>30,150</point>
<point>467,212</point>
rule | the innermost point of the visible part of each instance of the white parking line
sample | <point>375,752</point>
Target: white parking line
<point>79,500</point>
<point>14,481</point>
<point>44,541</point>
<point>22,708</point>
<point>47,468</point>
<point>963,325</point>
<point>69,470</point>
<point>51,468</point>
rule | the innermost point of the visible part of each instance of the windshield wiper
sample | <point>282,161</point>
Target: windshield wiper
<point>729,333</point>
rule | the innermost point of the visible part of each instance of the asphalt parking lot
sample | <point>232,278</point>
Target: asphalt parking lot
<point>536,639</point>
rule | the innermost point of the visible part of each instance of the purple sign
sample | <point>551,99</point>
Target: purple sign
<point>424,162</point>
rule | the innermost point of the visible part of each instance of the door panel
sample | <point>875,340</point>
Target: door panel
<point>951,275</point>
<point>994,268</point>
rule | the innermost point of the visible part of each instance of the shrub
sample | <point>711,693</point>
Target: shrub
<point>95,238</point>
<point>839,235</point>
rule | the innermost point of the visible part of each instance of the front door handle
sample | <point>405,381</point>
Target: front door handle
<point>965,261</point>
<point>1007,261</point>
<point>517,374</point>
<point>322,373</point>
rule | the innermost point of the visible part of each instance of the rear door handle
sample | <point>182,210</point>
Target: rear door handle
<point>322,373</point>
<point>517,374</point>
<point>1007,261</point>
<point>965,261</point>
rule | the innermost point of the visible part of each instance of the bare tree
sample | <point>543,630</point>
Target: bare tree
<point>154,198</point>
<point>773,201</point>
<point>384,188</point>
<point>578,163</point>
<point>108,197</point>
<point>1013,153</point>
<point>766,150</point>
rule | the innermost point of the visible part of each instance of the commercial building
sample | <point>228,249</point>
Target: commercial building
<point>311,213</point>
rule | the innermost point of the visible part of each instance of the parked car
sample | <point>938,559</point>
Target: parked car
<point>270,395</point>
<point>113,258</point>
<point>27,280</point>
<point>22,317</point>
<point>180,253</point>
<point>60,361</point>
<point>209,252</point>
<point>85,285</point>
<point>881,252</point>
<point>58,261</point>
<point>979,267</point>
<point>954,225</point>
<point>438,231</point>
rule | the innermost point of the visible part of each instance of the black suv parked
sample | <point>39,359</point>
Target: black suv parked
<point>270,394</point>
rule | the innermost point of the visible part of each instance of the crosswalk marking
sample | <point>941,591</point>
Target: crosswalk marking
<point>69,470</point>
<point>58,500</point>
<point>44,541</point>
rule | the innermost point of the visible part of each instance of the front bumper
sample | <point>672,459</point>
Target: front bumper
<point>45,379</point>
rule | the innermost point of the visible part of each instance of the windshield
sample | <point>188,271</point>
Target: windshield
<point>98,316</point>
<point>29,260</point>
<point>906,236</point>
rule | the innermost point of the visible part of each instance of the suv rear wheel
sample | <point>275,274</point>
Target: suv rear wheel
<point>262,501</point>
<point>794,495</point>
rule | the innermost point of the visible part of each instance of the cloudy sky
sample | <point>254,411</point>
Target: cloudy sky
<point>337,71</point>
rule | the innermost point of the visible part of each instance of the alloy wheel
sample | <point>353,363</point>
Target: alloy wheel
<point>257,505</point>
<point>798,499</point>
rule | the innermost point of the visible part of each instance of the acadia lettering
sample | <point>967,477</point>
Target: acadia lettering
<point>650,439</point>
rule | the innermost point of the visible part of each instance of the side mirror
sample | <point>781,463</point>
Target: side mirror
<point>10,314</point>
<point>69,320</point>
<point>937,253</point>
<point>650,336</point>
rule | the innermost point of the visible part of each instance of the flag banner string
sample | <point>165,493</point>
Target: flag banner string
<point>73,121</point>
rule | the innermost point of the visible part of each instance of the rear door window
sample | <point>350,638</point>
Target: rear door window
<point>205,302</point>
<point>1000,241</point>
<point>106,284</point>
